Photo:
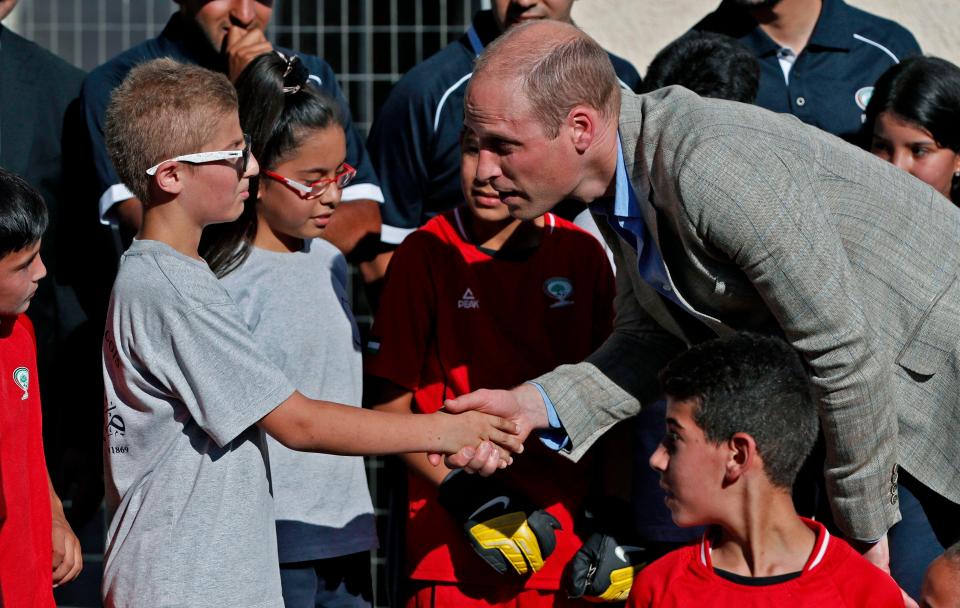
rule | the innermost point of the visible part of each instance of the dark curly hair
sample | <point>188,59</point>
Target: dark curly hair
<point>751,384</point>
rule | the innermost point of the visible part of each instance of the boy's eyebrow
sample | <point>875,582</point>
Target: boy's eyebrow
<point>29,260</point>
<point>673,422</point>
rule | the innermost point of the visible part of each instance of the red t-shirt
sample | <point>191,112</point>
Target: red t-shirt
<point>25,537</point>
<point>453,319</point>
<point>834,575</point>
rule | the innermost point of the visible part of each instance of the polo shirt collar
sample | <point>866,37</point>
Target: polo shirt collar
<point>834,28</point>
<point>483,30</point>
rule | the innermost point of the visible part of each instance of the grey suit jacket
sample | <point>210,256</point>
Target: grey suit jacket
<point>770,225</point>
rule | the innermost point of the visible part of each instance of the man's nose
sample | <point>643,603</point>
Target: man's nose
<point>488,166</point>
<point>243,12</point>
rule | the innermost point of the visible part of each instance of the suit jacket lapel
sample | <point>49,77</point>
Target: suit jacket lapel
<point>18,85</point>
<point>671,317</point>
<point>631,115</point>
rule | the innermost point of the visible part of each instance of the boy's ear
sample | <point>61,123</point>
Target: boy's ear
<point>743,456</point>
<point>169,178</point>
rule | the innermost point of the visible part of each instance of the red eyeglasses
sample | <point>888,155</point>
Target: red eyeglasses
<point>316,189</point>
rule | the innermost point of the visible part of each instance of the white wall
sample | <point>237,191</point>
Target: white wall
<point>637,29</point>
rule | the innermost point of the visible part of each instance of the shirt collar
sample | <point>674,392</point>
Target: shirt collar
<point>483,30</point>
<point>624,198</point>
<point>834,28</point>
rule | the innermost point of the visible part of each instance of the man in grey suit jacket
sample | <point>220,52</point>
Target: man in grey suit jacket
<point>743,220</point>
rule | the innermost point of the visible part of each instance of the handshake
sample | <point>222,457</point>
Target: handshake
<point>514,536</point>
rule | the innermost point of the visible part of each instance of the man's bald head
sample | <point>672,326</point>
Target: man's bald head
<point>556,66</point>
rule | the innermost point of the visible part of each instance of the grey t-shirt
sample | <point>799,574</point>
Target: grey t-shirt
<point>187,482</point>
<point>295,304</point>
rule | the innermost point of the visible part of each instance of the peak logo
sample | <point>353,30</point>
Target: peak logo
<point>468,300</point>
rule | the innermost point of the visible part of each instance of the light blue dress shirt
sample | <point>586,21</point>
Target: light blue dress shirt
<point>625,217</point>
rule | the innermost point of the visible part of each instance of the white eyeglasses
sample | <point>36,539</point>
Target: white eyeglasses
<point>211,157</point>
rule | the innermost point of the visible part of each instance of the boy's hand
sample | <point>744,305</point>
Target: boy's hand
<point>510,534</point>
<point>243,46</point>
<point>67,556</point>
<point>491,435</point>
<point>522,405</point>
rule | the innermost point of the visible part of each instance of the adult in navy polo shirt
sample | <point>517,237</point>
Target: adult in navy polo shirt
<point>224,36</point>
<point>415,141</point>
<point>818,59</point>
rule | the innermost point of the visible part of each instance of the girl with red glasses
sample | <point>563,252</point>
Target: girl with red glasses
<point>290,285</point>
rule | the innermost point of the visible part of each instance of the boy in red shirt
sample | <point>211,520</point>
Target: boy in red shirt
<point>477,299</point>
<point>740,421</point>
<point>32,524</point>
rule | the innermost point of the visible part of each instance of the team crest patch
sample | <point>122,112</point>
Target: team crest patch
<point>862,97</point>
<point>21,376</point>
<point>560,289</point>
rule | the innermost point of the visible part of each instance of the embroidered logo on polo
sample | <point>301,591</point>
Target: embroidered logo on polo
<point>862,97</point>
<point>560,289</point>
<point>21,376</point>
<point>468,300</point>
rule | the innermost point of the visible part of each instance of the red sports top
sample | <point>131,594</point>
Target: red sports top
<point>25,543</point>
<point>453,319</point>
<point>834,575</point>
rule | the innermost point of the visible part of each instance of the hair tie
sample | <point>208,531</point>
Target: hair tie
<point>295,74</point>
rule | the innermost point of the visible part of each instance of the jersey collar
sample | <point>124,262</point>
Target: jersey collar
<point>814,560</point>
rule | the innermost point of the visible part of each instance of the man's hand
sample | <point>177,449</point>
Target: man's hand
<point>521,405</point>
<point>243,46</point>
<point>878,554</point>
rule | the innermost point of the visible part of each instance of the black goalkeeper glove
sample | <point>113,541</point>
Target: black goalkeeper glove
<point>503,528</point>
<point>603,569</point>
<point>605,566</point>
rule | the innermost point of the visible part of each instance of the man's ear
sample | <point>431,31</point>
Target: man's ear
<point>169,178</point>
<point>584,123</point>
<point>743,456</point>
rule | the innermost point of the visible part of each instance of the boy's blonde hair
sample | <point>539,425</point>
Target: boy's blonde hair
<point>161,110</point>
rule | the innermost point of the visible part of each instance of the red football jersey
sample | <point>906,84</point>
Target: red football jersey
<point>834,575</point>
<point>454,318</point>
<point>25,536</point>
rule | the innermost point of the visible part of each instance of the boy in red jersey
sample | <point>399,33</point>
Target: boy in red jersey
<point>740,421</point>
<point>32,524</point>
<point>477,299</point>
